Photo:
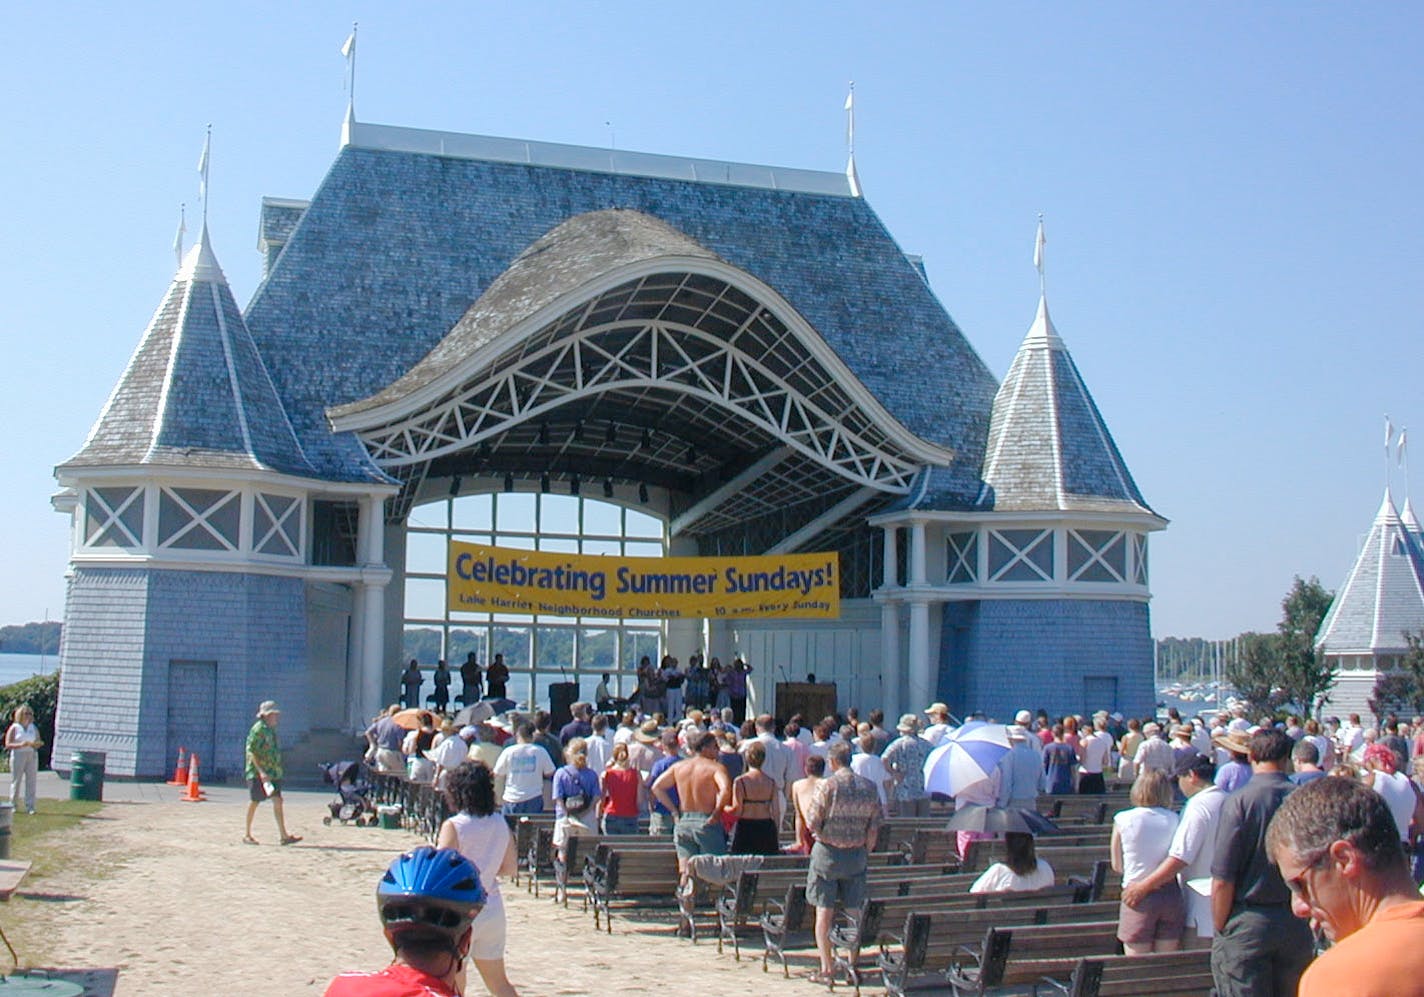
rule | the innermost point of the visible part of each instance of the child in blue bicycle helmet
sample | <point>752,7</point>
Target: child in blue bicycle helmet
<point>427,900</point>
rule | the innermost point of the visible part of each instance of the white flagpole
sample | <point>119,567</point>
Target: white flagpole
<point>203,173</point>
<point>1402,457</point>
<point>851,175</point>
<point>1038,244</point>
<point>1388,445</point>
<point>348,49</point>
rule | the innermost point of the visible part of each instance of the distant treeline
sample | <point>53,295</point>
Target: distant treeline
<point>30,638</point>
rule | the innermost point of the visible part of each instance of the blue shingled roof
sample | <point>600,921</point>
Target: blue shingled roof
<point>1049,448</point>
<point>1383,596</point>
<point>196,392</point>
<point>396,246</point>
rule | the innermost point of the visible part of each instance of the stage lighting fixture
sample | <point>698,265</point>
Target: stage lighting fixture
<point>544,482</point>
<point>607,487</point>
<point>574,485</point>
<point>508,482</point>
<point>455,486</point>
<point>643,493</point>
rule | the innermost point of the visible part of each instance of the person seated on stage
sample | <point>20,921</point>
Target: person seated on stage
<point>603,695</point>
<point>427,901</point>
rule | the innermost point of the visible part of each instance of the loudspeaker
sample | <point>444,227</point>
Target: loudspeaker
<point>562,695</point>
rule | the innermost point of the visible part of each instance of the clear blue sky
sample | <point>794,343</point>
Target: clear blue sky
<point>1231,193</point>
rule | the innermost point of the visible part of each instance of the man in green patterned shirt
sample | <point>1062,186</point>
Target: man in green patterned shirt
<point>264,771</point>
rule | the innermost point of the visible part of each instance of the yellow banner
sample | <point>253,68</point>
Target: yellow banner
<point>502,580</point>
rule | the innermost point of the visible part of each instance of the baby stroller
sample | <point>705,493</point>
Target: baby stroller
<point>353,794</point>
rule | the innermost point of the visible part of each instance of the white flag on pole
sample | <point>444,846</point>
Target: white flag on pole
<point>178,236</point>
<point>850,117</point>
<point>1400,447</point>
<point>203,166</point>
<point>349,45</point>
<point>1388,433</point>
<point>1038,244</point>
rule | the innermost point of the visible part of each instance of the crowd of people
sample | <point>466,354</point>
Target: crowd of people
<point>1202,862</point>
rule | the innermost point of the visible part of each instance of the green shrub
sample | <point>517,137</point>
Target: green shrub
<point>42,693</point>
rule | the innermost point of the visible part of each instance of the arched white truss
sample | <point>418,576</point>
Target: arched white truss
<point>702,332</point>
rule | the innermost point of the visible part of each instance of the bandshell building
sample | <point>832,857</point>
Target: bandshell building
<point>740,355</point>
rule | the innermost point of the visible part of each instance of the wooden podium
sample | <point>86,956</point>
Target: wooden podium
<point>813,700</point>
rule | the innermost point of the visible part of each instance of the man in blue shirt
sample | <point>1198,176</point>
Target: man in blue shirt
<point>660,820</point>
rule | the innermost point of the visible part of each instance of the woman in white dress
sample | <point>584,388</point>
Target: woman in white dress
<point>22,740</point>
<point>479,832</point>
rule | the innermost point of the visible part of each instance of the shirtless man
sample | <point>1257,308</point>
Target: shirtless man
<point>803,791</point>
<point>703,789</point>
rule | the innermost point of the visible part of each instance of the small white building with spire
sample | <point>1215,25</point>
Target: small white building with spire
<point>1382,598</point>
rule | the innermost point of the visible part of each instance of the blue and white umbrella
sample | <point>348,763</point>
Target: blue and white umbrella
<point>969,756</point>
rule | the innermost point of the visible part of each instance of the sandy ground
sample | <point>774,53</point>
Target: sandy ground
<point>166,897</point>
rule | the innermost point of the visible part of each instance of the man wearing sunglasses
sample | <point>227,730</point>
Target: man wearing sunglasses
<point>1339,852</point>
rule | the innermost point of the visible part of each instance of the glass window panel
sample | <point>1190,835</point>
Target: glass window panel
<point>641,549</point>
<point>602,546</point>
<point>637,644</point>
<point>517,543</point>
<point>555,648</point>
<point>474,512</point>
<point>513,643</point>
<point>425,552</point>
<point>1021,555</point>
<point>963,550</point>
<point>126,529</point>
<point>603,518</point>
<point>514,511</point>
<point>559,545</point>
<point>597,651</point>
<point>422,644</point>
<point>558,513</point>
<point>425,598</point>
<point>640,524</point>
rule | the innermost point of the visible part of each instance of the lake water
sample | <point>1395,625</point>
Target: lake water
<point>15,667</point>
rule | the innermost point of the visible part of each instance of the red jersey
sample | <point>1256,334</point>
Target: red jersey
<point>393,981</point>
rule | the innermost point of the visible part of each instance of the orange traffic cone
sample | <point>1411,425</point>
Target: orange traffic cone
<point>180,771</point>
<point>195,792</point>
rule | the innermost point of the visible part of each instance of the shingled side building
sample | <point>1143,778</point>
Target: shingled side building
<point>741,351</point>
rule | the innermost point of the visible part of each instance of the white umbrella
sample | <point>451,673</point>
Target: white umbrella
<point>968,757</point>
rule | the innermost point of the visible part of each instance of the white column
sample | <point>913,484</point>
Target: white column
<point>370,545</point>
<point>892,666</point>
<point>920,684</point>
<point>358,711</point>
<point>892,568</point>
<point>917,554</point>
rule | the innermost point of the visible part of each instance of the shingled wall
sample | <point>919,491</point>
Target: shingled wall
<point>127,626</point>
<point>1001,656</point>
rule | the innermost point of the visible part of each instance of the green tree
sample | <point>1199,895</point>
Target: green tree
<point>1393,692</point>
<point>1255,672</point>
<point>1304,673</point>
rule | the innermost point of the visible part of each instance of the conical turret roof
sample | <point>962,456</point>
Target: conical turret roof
<point>1411,522</point>
<point>196,392</point>
<point>1384,593</point>
<point>1049,448</point>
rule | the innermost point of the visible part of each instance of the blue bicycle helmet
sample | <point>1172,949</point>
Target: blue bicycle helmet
<point>429,892</point>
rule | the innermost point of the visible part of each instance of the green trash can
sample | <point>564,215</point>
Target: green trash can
<point>86,775</point>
